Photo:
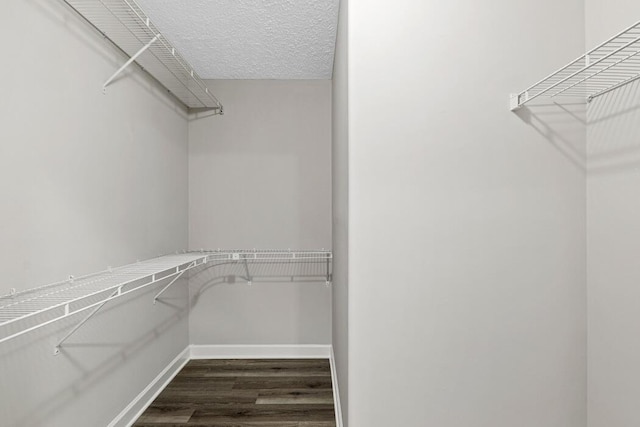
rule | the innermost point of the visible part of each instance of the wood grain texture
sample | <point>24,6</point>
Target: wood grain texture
<point>246,393</point>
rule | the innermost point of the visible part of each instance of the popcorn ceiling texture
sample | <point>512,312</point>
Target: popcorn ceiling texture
<point>250,39</point>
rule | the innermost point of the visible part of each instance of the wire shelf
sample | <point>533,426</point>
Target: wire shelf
<point>29,310</point>
<point>308,264</point>
<point>609,66</point>
<point>54,302</point>
<point>220,255</point>
<point>128,27</point>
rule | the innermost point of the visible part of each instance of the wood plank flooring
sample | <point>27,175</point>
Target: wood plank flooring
<point>246,393</point>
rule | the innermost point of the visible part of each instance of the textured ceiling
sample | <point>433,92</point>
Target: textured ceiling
<point>251,39</point>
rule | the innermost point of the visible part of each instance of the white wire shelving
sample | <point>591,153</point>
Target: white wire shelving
<point>607,67</point>
<point>126,25</point>
<point>245,257</point>
<point>27,311</point>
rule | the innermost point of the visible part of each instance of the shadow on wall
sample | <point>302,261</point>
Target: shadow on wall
<point>562,125</point>
<point>612,124</point>
<point>83,362</point>
<point>196,114</point>
<point>613,132</point>
<point>286,303</point>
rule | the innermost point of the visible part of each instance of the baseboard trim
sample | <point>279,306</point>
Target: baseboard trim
<point>142,401</point>
<point>336,392</point>
<point>260,352</point>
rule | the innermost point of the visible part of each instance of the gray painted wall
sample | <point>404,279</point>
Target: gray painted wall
<point>613,212</point>
<point>260,177</point>
<point>87,180</point>
<point>340,195</point>
<point>466,221</point>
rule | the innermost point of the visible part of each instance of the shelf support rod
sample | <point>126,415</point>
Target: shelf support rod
<point>246,269</point>
<point>129,62</point>
<point>175,279</point>
<point>619,85</point>
<point>56,350</point>
<point>328,272</point>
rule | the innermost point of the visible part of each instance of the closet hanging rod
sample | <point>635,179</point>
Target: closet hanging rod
<point>603,69</point>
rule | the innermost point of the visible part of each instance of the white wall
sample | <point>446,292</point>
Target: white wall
<point>260,177</point>
<point>86,181</point>
<point>466,221</point>
<point>340,197</point>
<point>613,210</point>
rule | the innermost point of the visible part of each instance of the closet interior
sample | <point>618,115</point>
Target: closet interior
<point>197,195</point>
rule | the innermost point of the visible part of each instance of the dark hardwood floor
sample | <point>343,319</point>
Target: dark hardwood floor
<point>246,393</point>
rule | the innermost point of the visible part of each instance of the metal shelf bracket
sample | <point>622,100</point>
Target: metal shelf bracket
<point>175,279</point>
<point>96,307</point>
<point>329,278</point>
<point>129,62</point>
<point>246,269</point>
<point>58,346</point>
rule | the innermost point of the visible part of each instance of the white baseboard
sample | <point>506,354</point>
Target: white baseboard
<point>260,351</point>
<point>336,392</point>
<point>146,397</point>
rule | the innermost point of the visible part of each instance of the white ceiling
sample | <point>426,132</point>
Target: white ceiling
<point>250,39</point>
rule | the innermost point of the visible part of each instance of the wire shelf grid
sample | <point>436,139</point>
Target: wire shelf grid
<point>77,294</point>
<point>607,67</point>
<point>267,255</point>
<point>130,29</point>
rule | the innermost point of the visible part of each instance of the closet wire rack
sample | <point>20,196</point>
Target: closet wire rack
<point>605,68</point>
<point>26,311</point>
<point>126,25</point>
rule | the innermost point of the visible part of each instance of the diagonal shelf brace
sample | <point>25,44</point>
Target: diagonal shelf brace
<point>329,278</point>
<point>98,306</point>
<point>175,279</point>
<point>246,269</point>
<point>129,62</point>
<point>56,350</point>
<point>612,88</point>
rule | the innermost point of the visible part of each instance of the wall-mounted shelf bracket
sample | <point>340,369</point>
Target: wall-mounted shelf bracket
<point>58,346</point>
<point>174,280</point>
<point>118,292</point>
<point>129,62</point>
<point>329,278</point>
<point>517,100</point>
<point>246,269</point>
